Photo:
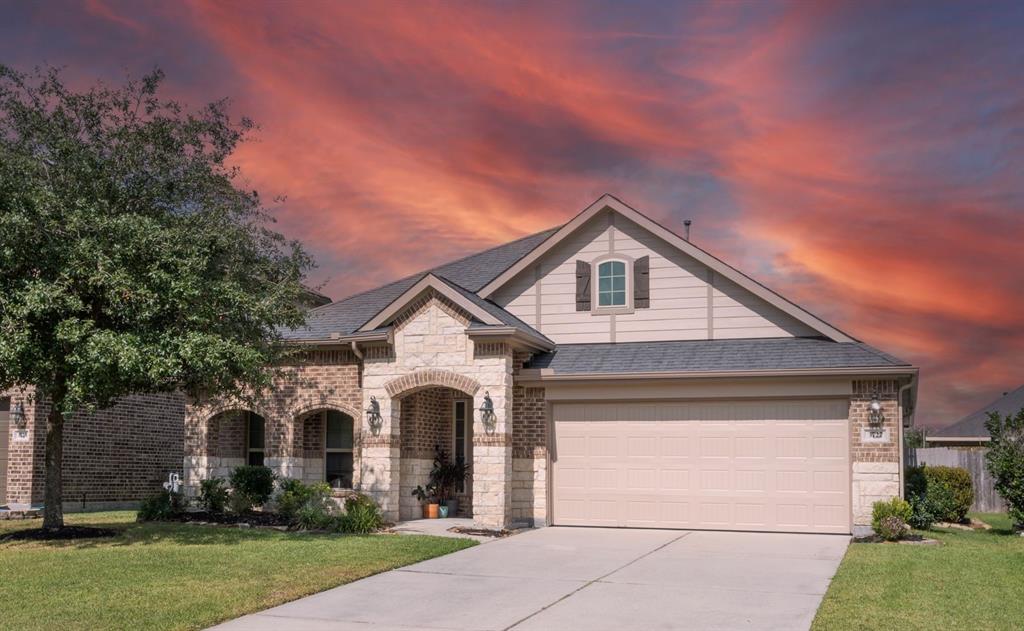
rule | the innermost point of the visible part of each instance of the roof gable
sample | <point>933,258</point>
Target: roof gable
<point>610,203</point>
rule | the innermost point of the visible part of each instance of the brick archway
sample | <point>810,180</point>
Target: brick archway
<point>431,378</point>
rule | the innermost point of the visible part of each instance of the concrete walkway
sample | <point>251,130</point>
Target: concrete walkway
<point>585,578</point>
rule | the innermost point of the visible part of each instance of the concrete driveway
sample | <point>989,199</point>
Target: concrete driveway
<point>585,578</point>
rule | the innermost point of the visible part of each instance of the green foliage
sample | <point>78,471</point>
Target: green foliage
<point>133,259</point>
<point>939,494</point>
<point>161,507</point>
<point>889,518</point>
<point>913,437</point>
<point>251,486</point>
<point>316,516</point>
<point>362,516</point>
<point>446,474</point>
<point>425,494</point>
<point>916,491</point>
<point>213,495</point>
<point>292,495</point>
<point>1005,461</point>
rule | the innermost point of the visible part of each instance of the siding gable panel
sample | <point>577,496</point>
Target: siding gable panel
<point>679,307</point>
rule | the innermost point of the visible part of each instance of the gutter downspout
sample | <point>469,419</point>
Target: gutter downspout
<point>903,449</point>
<point>358,353</point>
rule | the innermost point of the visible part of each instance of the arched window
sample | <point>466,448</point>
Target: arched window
<point>255,439</point>
<point>338,450</point>
<point>611,284</point>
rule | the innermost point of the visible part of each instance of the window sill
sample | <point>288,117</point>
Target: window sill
<point>602,311</point>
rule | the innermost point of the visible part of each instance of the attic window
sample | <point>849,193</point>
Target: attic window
<point>611,284</point>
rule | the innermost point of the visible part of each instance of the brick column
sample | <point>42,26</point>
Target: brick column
<point>876,465</point>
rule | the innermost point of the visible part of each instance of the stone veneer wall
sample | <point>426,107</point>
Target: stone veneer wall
<point>317,380</point>
<point>876,466</point>
<point>112,457</point>
<point>431,349</point>
<point>529,451</point>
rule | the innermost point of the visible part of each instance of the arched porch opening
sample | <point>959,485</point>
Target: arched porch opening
<point>432,418</point>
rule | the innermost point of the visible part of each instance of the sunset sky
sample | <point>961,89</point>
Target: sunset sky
<point>865,159</point>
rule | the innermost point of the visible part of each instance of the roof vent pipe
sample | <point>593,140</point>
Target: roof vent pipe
<point>686,229</point>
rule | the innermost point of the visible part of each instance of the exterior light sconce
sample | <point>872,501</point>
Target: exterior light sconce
<point>875,416</point>
<point>18,416</point>
<point>487,416</point>
<point>373,417</point>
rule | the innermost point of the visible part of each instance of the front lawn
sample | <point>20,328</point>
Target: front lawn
<point>181,576</point>
<point>972,581</point>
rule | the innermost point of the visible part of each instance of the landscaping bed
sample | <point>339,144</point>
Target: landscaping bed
<point>967,582</point>
<point>168,575</point>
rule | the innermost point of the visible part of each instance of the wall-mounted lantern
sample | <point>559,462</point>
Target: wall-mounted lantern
<point>875,416</point>
<point>373,417</point>
<point>18,415</point>
<point>487,416</point>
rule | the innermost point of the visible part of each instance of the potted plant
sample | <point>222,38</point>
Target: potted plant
<point>445,476</point>
<point>428,498</point>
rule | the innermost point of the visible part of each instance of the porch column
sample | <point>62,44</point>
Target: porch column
<point>492,461</point>
<point>379,463</point>
<point>280,440</point>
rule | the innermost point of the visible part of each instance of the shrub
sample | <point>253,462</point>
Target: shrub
<point>941,493</point>
<point>1005,461</point>
<point>213,495</point>
<point>251,486</point>
<point>362,516</point>
<point>315,516</point>
<point>950,492</point>
<point>161,507</point>
<point>293,495</point>
<point>917,486</point>
<point>889,518</point>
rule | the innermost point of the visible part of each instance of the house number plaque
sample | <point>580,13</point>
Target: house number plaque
<point>874,435</point>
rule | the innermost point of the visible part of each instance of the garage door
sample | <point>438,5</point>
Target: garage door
<point>728,465</point>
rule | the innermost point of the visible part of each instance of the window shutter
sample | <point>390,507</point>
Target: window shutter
<point>642,283</point>
<point>582,286</point>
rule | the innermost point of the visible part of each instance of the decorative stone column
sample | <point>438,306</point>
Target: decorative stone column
<point>379,467</point>
<point>492,462</point>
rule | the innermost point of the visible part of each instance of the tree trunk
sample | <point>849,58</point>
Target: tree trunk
<point>53,510</point>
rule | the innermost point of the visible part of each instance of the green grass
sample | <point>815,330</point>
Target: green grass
<point>179,576</point>
<point>972,581</point>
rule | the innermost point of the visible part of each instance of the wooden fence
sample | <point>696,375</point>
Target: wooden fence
<point>986,500</point>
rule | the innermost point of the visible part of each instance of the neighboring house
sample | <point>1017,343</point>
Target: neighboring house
<point>970,430</point>
<point>636,381</point>
<point>112,458</point>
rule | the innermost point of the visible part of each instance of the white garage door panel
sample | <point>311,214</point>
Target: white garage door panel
<point>739,465</point>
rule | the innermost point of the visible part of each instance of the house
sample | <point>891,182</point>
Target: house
<point>606,372</point>
<point>970,430</point>
<point>113,458</point>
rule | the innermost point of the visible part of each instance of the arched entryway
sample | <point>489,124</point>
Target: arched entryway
<point>434,418</point>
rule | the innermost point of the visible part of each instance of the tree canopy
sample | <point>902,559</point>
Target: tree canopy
<point>132,259</point>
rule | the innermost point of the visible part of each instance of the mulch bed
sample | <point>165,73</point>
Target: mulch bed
<point>65,533</point>
<point>252,519</point>
<point>482,532</point>
<point>908,540</point>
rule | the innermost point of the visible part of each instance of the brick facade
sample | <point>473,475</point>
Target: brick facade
<point>112,458</point>
<point>875,466</point>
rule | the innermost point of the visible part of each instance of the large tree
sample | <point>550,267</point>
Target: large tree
<point>132,259</point>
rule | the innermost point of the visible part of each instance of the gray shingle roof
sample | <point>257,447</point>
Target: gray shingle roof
<point>712,356</point>
<point>504,316</point>
<point>974,423</point>
<point>467,274</point>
